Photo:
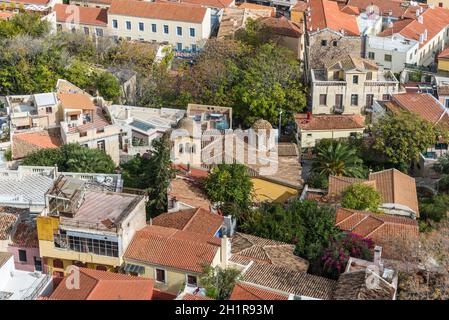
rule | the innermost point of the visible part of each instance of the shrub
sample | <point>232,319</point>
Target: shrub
<point>361,197</point>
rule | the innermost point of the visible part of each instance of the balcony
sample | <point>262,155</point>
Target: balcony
<point>338,109</point>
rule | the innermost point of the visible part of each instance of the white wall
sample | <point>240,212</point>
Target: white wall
<point>5,272</point>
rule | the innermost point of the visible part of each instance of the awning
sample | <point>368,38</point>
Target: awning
<point>134,268</point>
<point>74,113</point>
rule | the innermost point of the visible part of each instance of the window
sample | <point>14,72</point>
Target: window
<point>48,110</point>
<point>336,75</point>
<point>95,246</point>
<point>387,58</point>
<point>102,268</point>
<point>86,30</point>
<point>192,280</point>
<point>411,56</point>
<point>153,27</point>
<point>385,97</point>
<point>335,43</point>
<point>192,32</point>
<point>354,99</point>
<point>22,256</point>
<point>440,4</point>
<point>179,46</point>
<point>73,117</point>
<point>101,145</point>
<point>99,32</point>
<point>37,264</point>
<point>141,26</point>
<point>165,29</point>
<point>355,79</point>
<point>446,103</point>
<point>371,55</point>
<point>369,75</point>
<point>181,148</point>
<point>441,146</point>
<point>309,135</point>
<point>179,31</point>
<point>339,100</point>
<point>58,264</point>
<point>193,47</point>
<point>193,148</point>
<point>323,99</point>
<point>128,25</point>
<point>115,24</point>
<point>323,43</point>
<point>160,275</point>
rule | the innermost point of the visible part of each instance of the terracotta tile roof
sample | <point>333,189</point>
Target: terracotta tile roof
<point>244,291</point>
<point>98,122</point>
<point>444,54</point>
<point>434,20</point>
<point>26,235</point>
<point>353,286</point>
<point>289,281</point>
<point>327,14</point>
<point>172,248</point>
<point>352,10</point>
<point>396,187</point>
<point>283,27</point>
<point>4,257</point>
<point>397,10</point>
<point>158,10</point>
<point>103,285</point>
<point>190,192</point>
<point>378,227</point>
<point>27,142</point>
<point>6,15</point>
<point>78,101</point>
<point>87,15</point>
<point>350,62</point>
<point>329,122</point>
<point>36,2</point>
<point>268,251</point>
<point>194,220</point>
<point>422,104</point>
<point>191,172</point>
<point>338,184</point>
<point>160,295</point>
<point>7,223</point>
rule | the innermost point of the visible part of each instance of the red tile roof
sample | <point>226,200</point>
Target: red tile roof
<point>396,7</point>
<point>422,104</point>
<point>244,291</point>
<point>25,143</point>
<point>26,235</point>
<point>103,285</point>
<point>283,27</point>
<point>253,6</point>
<point>329,122</point>
<point>194,220</point>
<point>221,4</point>
<point>190,192</point>
<point>158,10</point>
<point>434,21</point>
<point>383,229</point>
<point>189,296</point>
<point>87,15</point>
<point>98,122</point>
<point>173,248</point>
<point>327,14</point>
<point>7,222</point>
<point>78,101</point>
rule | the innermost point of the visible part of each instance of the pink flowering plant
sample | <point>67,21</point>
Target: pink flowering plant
<point>335,257</point>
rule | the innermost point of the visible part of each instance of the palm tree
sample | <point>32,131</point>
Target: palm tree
<point>336,158</point>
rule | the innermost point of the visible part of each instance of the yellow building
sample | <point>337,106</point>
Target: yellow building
<point>298,12</point>
<point>174,258</point>
<point>443,60</point>
<point>272,191</point>
<point>87,228</point>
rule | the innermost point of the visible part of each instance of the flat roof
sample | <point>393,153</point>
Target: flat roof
<point>395,43</point>
<point>28,189</point>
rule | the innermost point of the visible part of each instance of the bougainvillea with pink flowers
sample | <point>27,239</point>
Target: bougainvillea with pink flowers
<point>335,257</point>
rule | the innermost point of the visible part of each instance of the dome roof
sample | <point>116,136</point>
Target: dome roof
<point>185,123</point>
<point>261,124</point>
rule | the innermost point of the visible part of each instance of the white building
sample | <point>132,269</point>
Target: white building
<point>428,34</point>
<point>21,285</point>
<point>349,85</point>
<point>186,27</point>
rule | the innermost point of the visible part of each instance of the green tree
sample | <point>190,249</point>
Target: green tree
<point>337,158</point>
<point>316,180</point>
<point>161,174</point>
<point>402,137</point>
<point>108,86</point>
<point>24,23</point>
<point>219,282</point>
<point>434,209</point>
<point>79,73</point>
<point>229,184</point>
<point>136,172</point>
<point>72,158</point>
<point>360,196</point>
<point>442,165</point>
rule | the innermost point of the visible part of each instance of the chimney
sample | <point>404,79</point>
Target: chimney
<point>421,19</point>
<point>425,34</point>
<point>225,251</point>
<point>309,115</point>
<point>128,113</point>
<point>378,258</point>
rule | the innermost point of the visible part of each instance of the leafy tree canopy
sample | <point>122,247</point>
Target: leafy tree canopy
<point>219,282</point>
<point>108,86</point>
<point>360,196</point>
<point>25,23</point>
<point>72,158</point>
